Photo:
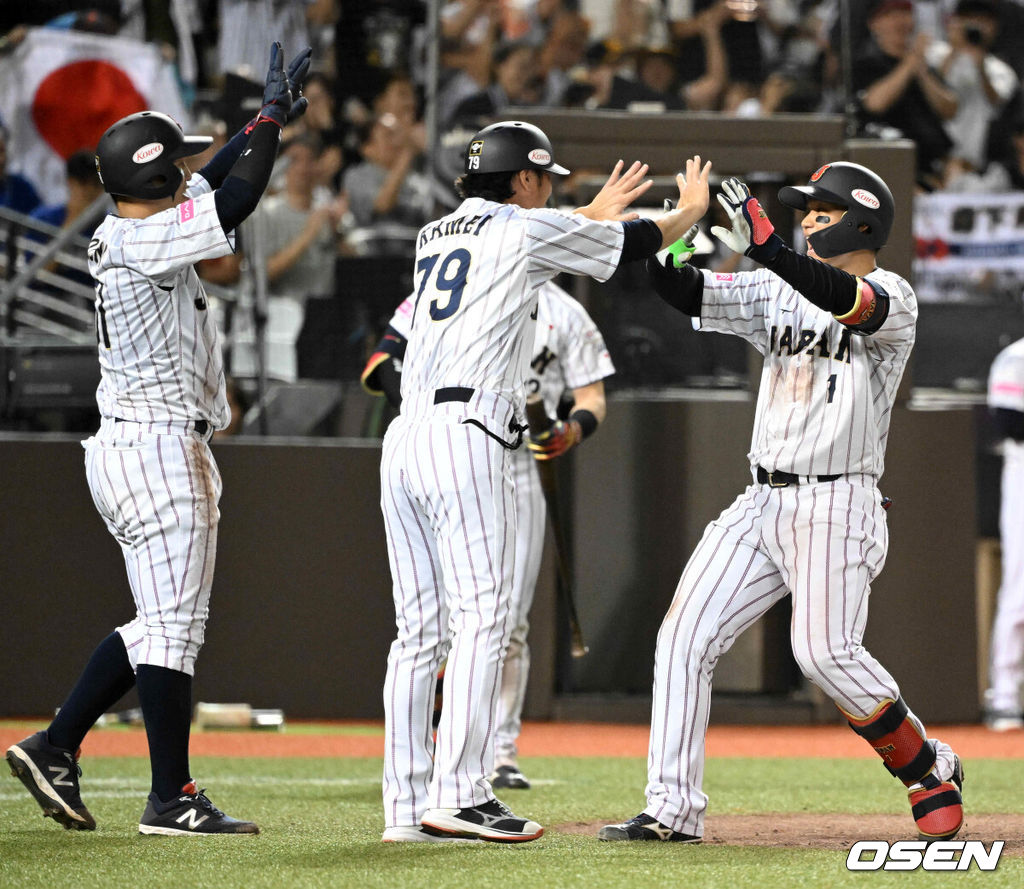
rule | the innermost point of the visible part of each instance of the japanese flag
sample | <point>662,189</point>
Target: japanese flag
<point>60,90</point>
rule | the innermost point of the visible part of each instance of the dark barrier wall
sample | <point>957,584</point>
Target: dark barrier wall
<point>301,616</point>
<point>301,613</point>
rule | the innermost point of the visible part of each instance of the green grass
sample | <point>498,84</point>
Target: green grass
<point>322,819</point>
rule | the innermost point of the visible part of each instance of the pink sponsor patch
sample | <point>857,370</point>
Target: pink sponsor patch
<point>186,211</point>
<point>723,277</point>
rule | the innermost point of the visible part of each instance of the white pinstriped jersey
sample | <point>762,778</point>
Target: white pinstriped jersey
<point>826,393</point>
<point>1006,378</point>
<point>568,350</point>
<point>478,273</point>
<point>160,358</point>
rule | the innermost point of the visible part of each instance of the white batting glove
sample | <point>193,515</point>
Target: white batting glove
<point>752,232</point>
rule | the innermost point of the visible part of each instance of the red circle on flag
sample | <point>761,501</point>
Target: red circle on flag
<point>74,105</point>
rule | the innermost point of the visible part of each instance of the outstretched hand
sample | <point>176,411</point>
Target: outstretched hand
<point>298,68</point>
<point>750,232</point>
<point>619,191</point>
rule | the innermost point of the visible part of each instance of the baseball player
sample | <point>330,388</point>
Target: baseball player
<point>149,467</point>
<point>446,464</point>
<point>569,355</point>
<point>1006,666</point>
<point>836,332</point>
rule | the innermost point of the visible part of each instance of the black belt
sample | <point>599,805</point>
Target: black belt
<point>200,426</point>
<point>780,479</point>
<point>452,393</point>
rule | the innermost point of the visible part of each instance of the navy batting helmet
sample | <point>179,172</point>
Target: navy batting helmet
<point>135,157</point>
<point>509,146</point>
<point>868,202</point>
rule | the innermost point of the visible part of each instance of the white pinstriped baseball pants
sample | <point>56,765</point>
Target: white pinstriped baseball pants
<point>1006,670</point>
<point>449,514</point>
<point>822,544</point>
<point>531,512</point>
<point>158,495</point>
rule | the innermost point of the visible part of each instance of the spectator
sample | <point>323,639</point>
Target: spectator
<point>514,80</point>
<point>16,192</point>
<point>84,187</point>
<point>244,25</point>
<point>298,227</point>
<point>983,83</point>
<point>563,50</point>
<point>806,68</point>
<point>389,196</point>
<point>897,89</point>
<point>604,84</point>
<point>1010,156</point>
<point>321,122</point>
<point>470,33</point>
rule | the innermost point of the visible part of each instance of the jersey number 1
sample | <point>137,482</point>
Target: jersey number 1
<point>102,334</point>
<point>451,277</point>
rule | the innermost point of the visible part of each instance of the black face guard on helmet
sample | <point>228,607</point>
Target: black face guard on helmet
<point>866,198</point>
<point>136,156</point>
<point>509,146</point>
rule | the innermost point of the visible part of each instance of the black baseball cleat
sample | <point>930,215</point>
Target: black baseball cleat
<point>191,814</point>
<point>491,821</point>
<point>644,827</point>
<point>51,776</point>
<point>509,776</point>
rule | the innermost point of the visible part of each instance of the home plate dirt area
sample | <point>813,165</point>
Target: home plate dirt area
<point>796,830</point>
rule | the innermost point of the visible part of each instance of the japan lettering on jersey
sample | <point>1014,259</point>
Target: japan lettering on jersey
<point>826,393</point>
<point>160,359</point>
<point>477,274</point>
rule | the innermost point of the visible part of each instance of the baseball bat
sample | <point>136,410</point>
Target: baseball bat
<point>539,422</point>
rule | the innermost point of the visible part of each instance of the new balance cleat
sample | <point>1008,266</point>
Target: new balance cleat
<point>491,821</point>
<point>190,814</point>
<point>509,776</point>
<point>51,776</point>
<point>417,833</point>
<point>937,806</point>
<point>644,827</point>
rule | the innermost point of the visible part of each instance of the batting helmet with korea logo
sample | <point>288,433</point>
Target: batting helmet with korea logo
<point>135,156</point>
<point>866,198</point>
<point>509,146</point>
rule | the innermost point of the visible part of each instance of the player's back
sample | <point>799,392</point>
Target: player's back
<point>477,272</point>
<point>473,300</point>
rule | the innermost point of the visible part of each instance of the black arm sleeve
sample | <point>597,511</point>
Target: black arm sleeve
<point>683,289</point>
<point>642,238</point>
<point>827,287</point>
<point>216,171</point>
<point>1009,423</point>
<point>389,379</point>
<point>833,289</point>
<point>248,178</point>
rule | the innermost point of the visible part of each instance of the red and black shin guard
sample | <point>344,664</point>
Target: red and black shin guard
<point>936,805</point>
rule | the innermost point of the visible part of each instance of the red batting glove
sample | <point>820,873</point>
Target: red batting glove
<point>563,435</point>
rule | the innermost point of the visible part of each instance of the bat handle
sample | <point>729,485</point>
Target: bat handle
<point>537,416</point>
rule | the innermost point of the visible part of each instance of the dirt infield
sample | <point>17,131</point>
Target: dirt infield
<point>836,832</point>
<point>549,739</point>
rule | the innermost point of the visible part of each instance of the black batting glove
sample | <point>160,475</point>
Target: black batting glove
<point>277,94</point>
<point>298,68</point>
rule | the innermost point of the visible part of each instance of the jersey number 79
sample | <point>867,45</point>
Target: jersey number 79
<point>450,277</point>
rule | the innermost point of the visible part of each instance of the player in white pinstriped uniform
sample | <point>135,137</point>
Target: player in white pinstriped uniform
<point>1006,660</point>
<point>446,468</point>
<point>149,467</point>
<point>569,356</point>
<point>836,333</point>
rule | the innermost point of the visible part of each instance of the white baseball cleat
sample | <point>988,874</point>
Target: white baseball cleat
<point>416,833</point>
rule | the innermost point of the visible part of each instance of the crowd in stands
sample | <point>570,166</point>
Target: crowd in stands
<point>357,176</point>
